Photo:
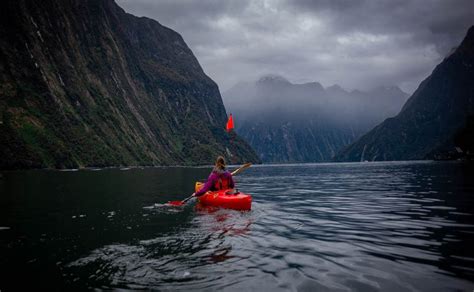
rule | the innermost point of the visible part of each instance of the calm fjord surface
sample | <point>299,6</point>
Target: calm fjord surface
<point>395,226</point>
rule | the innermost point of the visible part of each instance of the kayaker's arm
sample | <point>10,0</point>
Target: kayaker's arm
<point>206,187</point>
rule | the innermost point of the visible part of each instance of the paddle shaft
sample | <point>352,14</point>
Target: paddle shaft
<point>187,199</point>
<point>240,169</point>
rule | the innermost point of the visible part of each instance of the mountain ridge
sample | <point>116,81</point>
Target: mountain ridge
<point>430,118</point>
<point>286,122</point>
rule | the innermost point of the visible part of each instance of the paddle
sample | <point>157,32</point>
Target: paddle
<point>240,169</point>
<point>180,203</point>
<point>237,171</point>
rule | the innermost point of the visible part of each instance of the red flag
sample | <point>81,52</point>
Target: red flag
<point>230,124</point>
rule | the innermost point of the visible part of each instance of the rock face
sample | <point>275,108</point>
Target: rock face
<point>82,83</point>
<point>438,115</point>
<point>287,122</point>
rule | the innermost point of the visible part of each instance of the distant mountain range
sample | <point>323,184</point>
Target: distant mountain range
<point>437,117</point>
<point>82,83</point>
<point>286,122</point>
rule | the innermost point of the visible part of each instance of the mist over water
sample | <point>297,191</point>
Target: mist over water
<point>399,226</point>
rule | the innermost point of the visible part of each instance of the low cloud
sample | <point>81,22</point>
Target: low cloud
<point>357,44</point>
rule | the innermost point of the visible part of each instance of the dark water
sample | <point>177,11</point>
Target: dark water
<point>405,226</point>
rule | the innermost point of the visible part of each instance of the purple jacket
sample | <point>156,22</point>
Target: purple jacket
<point>213,179</point>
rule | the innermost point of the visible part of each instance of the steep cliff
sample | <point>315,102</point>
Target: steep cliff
<point>432,118</point>
<point>82,83</point>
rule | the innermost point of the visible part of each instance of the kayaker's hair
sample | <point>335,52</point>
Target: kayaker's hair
<point>220,162</point>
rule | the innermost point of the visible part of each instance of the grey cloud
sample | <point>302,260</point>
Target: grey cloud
<point>439,22</point>
<point>357,44</point>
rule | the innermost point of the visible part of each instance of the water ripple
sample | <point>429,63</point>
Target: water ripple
<point>404,226</point>
<point>311,228</point>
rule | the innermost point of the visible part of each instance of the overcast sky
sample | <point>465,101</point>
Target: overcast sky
<point>356,44</point>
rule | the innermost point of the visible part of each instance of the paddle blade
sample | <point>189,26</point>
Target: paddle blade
<point>246,165</point>
<point>176,203</point>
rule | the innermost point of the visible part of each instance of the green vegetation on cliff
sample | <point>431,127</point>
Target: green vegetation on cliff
<point>82,83</point>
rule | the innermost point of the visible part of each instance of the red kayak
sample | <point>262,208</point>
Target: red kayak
<point>228,199</point>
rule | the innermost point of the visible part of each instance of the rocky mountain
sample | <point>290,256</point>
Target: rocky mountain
<point>437,116</point>
<point>82,83</point>
<point>286,122</point>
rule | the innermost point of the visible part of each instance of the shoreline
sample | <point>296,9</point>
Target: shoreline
<point>288,164</point>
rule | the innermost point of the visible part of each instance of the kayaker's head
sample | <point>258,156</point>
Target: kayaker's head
<point>220,164</point>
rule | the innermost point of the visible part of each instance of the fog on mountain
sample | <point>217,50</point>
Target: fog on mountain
<point>273,95</point>
<point>330,118</point>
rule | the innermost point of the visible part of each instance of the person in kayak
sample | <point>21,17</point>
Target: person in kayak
<point>219,179</point>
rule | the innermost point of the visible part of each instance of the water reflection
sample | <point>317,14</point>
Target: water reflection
<point>364,227</point>
<point>179,256</point>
